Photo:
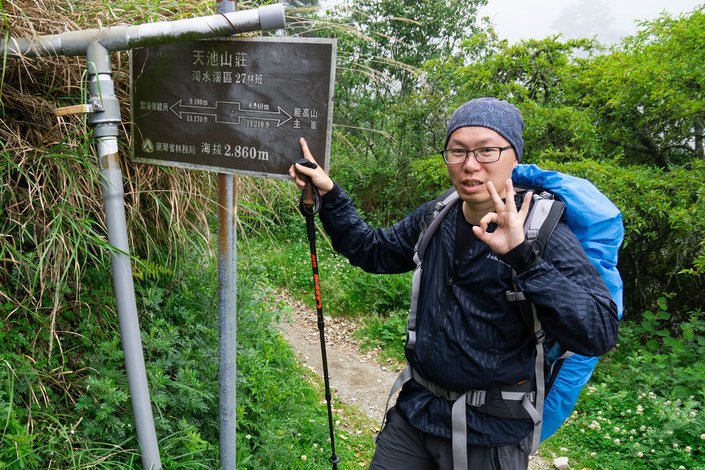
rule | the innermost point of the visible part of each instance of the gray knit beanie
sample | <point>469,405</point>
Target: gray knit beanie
<point>498,115</point>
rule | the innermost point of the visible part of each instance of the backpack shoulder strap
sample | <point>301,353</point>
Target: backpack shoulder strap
<point>541,221</point>
<point>544,214</point>
<point>430,223</point>
<point>432,219</point>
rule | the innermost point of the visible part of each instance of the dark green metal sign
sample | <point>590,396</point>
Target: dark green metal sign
<point>233,106</point>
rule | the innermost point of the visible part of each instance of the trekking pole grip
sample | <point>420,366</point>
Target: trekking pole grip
<point>310,199</point>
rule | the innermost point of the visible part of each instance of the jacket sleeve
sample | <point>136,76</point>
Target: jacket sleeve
<point>572,301</point>
<point>376,250</point>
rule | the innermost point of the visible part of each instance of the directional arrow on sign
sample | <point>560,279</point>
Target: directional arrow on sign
<point>230,112</point>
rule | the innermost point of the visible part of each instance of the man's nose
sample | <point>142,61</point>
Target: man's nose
<point>471,163</point>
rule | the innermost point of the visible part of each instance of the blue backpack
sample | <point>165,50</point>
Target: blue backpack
<point>597,224</point>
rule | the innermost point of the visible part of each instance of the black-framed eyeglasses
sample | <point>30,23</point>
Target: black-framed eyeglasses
<point>481,154</point>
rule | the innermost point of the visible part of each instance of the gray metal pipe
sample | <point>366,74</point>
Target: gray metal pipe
<point>120,38</point>
<point>227,304</point>
<point>105,125</point>
<point>227,317</point>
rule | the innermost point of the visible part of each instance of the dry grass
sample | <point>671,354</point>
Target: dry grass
<point>52,221</point>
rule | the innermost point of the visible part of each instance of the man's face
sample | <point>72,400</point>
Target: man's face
<point>470,178</point>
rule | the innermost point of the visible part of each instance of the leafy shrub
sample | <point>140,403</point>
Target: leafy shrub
<point>346,290</point>
<point>664,220</point>
<point>656,345</point>
<point>387,333</point>
<point>645,406</point>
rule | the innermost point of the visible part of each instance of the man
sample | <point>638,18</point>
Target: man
<point>469,336</point>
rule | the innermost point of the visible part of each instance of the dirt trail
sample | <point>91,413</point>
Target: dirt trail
<point>356,378</point>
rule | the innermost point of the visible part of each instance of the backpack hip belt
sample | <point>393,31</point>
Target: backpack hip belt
<point>510,402</point>
<point>500,401</point>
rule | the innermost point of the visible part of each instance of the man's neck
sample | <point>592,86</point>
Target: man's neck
<point>475,213</point>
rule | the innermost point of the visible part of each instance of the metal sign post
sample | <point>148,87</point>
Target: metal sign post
<point>104,116</point>
<point>227,305</point>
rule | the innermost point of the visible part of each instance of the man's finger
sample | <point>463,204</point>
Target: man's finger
<point>509,188</point>
<point>306,151</point>
<point>526,203</point>
<point>479,233</point>
<point>487,219</point>
<point>499,204</point>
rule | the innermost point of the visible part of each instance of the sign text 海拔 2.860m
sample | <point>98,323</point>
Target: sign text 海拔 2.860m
<point>233,106</point>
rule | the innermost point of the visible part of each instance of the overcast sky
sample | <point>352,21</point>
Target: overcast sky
<point>608,19</point>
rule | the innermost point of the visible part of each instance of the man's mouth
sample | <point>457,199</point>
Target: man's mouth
<point>472,183</point>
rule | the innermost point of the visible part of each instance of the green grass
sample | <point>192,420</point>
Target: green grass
<point>644,407</point>
<point>282,422</point>
<point>282,419</point>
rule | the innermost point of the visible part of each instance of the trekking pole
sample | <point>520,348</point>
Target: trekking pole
<point>309,205</point>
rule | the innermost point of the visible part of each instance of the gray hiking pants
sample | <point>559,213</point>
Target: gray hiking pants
<point>400,446</point>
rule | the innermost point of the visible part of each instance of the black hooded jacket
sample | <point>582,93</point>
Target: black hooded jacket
<point>469,336</point>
